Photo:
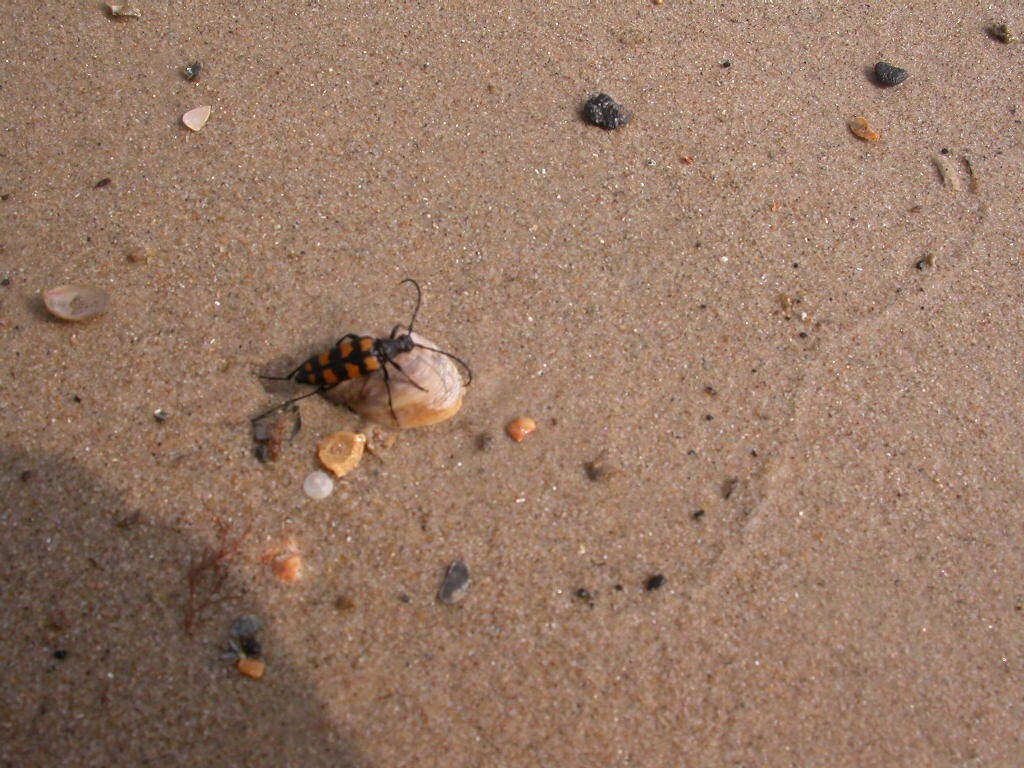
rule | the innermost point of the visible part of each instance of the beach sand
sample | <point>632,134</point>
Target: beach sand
<point>814,442</point>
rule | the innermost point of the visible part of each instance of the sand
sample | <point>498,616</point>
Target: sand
<point>817,444</point>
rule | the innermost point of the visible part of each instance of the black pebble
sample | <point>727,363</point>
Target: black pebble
<point>698,514</point>
<point>887,74</point>
<point>583,594</point>
<point>654,582</point>
<point>604,112</point>
<point>726,64</point>
<point>60,655</point>
<point>101,183</point>
<point>191,71</point>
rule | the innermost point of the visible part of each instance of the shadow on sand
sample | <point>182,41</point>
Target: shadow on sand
<point>97,668</point>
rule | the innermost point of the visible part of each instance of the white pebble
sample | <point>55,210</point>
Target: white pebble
<point>318,485</point>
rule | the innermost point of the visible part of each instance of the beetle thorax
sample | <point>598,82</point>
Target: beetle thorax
<point>387,349</point>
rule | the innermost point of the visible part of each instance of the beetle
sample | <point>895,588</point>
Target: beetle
<point>354,356</point>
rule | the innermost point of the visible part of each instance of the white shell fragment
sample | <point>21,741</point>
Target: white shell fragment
<point>318,485</point>
<point>196,118</point>
<point>75,302</point>
<point>123,11</point>
<point>440,398</point>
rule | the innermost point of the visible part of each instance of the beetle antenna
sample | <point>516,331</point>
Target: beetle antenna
<point>286,403</point>
<point>419,298</point>
<point>459,360</point>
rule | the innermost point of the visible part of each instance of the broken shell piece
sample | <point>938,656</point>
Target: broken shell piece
<point>439,399</point>
<point>119,11</point>
<point>519,429</point>
<point>863,130</point>
<point>196,118</point>
<point>341,452</point>
<point>288,567</point>
<point>75,302</point>
<point>251,667</point>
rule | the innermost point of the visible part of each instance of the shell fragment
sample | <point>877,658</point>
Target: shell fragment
<point>196,118</point>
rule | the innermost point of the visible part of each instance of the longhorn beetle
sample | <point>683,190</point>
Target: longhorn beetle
<point>353,356</point>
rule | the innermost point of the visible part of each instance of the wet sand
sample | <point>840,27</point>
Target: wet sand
<point>816,443</point>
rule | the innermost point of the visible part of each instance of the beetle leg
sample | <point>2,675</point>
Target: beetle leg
<point>408,377</point>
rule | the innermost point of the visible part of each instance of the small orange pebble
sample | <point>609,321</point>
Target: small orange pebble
<point>288,567</point>
<point>251,667</point>
<point>520,428</point>
<point>863,130</point>
<point>687,159</point>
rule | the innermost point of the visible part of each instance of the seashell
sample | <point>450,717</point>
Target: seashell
<point>75,302</point>
<point>440,398</point>
<point>318,485</point>
<point>196,118</point>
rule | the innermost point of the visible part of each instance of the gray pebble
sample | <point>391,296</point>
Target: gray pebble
<point>604,112</point>
<point>888,74</point>
<point>455,584</point>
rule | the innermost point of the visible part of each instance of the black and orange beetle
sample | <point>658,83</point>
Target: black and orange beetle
<point>353,356</point>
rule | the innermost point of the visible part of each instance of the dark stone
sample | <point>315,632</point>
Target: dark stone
<point>583,594</point>
<point>654,582</point>
<point>455,584</point>
<point>604,112</point>
<point>191,71</point>
<point>250,646</point>
<point>698,514</point>
<point>888,74</point>
<point>60,654</point>
<point>101,183</point>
